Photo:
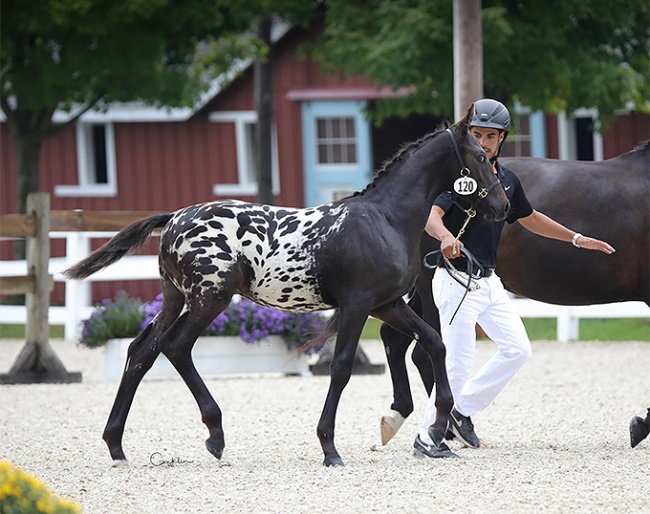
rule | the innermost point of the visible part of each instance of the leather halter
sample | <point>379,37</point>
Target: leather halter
<point>464,170</point>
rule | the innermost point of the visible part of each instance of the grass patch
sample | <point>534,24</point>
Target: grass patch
<point>618,329</point>
<point>625,329</point>
<point>18,331</point>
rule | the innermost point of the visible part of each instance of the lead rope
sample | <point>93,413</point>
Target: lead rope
<point>470,285</point>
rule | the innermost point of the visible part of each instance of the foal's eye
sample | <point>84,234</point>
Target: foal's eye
<point>481,158</point>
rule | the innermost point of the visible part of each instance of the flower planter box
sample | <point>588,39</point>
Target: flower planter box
<point>216,356</point>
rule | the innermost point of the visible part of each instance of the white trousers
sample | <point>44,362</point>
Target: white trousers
<point>490,307</point>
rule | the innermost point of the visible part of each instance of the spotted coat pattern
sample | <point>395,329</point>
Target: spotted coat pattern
<point>203,246</point>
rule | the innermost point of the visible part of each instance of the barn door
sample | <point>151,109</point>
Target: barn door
<point>336,150</point>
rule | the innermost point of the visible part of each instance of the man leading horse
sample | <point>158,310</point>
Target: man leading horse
<point>467,291</point>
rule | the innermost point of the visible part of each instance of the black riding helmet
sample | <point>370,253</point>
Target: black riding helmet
<point>490,113</point>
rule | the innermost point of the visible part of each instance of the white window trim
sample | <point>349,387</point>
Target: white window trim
<point>86,187</point>
<point>520,139</point>
<point>244,187</point>
<point>566,134</point>
<point>324,167</point>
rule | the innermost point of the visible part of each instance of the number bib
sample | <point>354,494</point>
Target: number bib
<point>465,186</point>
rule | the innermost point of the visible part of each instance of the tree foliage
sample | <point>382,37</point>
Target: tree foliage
<point>76,55</point>
<point>552,55</point>
<point>57,53</point>
<point>79,54</point>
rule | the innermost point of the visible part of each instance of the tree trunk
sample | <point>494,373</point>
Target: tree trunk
<point>28,155</point>
<point>263,85</point>
<point>28,152</point>
<point>29,129</point>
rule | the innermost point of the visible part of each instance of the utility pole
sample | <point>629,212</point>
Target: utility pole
<point>468,55</point>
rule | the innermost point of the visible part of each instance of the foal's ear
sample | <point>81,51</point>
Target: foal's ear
<point>464,124</point>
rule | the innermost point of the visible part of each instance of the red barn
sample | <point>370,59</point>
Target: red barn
<point>134,157</point>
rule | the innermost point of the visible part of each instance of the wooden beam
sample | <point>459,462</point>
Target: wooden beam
<point>21,284</point>
<point>24,225</point>
<point>100,221</point>
<point>18,225</point>
<point>17,285</point>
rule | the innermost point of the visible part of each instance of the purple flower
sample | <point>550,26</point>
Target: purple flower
<point>123,316</point>
<point>253,322</point>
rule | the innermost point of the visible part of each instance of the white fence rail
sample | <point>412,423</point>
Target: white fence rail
<point>145,267</point>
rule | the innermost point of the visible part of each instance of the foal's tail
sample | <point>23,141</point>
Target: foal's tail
<point>125,242</point>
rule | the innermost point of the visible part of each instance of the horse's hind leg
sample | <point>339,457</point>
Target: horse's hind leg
<point>404,319</point>
<point>431,316</point>
<point>395,346</point>
<point>142,353</point>
<point>178,349</point>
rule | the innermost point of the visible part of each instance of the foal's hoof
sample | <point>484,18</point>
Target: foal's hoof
<point>333,462</point>
<point>216,449</point>
<point>120,463</point>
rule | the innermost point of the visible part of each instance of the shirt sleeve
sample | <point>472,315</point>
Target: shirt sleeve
<point>519,205</point>
<point>444,201</point>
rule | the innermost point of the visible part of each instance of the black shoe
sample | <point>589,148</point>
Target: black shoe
<point>421,449</point>
<point>463,428</point>
<point>639,429</point>
<point>449,435</point>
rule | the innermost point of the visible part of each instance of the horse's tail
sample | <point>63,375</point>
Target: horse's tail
<point>329,330</point>
<point>125,242</point>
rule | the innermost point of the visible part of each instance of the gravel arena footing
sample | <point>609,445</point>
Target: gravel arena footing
<point>555,440</point>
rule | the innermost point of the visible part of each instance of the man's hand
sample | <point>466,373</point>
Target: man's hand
<point>590,243</point>
<point>450,248</point>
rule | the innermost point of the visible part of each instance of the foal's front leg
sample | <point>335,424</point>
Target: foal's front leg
<point>351,324</point>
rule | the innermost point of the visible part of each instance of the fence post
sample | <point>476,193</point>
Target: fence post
<point>77,292</point>
<point>568,325</point>
<point>37,361</point>
<point>37,302</point>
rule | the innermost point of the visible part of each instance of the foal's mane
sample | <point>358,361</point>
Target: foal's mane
<point>406,150</point>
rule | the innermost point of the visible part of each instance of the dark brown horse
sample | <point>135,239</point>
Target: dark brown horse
<point>609,200</point>
<point>358,255</point>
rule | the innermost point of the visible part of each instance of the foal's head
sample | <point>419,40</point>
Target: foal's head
<point>476,184</point>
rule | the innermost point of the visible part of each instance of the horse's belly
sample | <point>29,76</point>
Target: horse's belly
<point>287,285</point>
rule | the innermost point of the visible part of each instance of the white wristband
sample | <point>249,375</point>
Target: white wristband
<point>574,241</point>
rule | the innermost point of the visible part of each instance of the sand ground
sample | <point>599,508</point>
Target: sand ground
<point>558,441</point>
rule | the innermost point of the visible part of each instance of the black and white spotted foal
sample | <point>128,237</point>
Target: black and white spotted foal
<point>358,255</point>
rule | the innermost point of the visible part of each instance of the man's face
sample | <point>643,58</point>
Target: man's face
<point>488,138</point>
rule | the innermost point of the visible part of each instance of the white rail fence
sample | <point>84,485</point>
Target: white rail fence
<point>144,267</point>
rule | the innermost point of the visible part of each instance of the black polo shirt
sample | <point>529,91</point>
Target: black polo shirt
<point>481,237</point>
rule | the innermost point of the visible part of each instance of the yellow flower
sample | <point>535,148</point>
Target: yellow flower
<point>22,493</point>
